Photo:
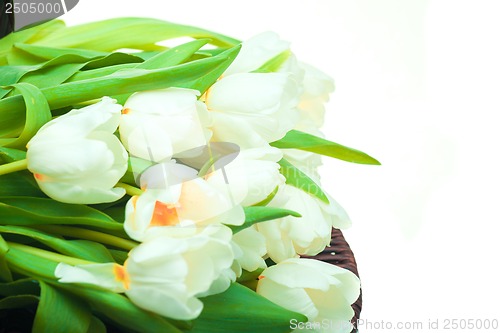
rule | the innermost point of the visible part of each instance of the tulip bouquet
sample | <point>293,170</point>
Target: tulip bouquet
<point>165,189</point>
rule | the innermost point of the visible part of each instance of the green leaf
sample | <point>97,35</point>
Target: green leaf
<point>59,311</point>
<point>10,75</point>
<point>273,64</point>
<point>20,183</point>
<point>256,214</point>
<point>48,53</point>
<point>303,141</point>
<point>119,256</point>
<point>52,75</point>
<point>82,249</point>
<point>116,58</point>
<point>8,155</point>
<point>33,211</point>
<point>96,326</point>
<point>99,72</point>
<point>299,179</point>
<point>18,302</point>
<point>121,310</point>
<point>170,57</point>
<point>31,265</point>
<point>127,81</point>
<point>239,309</point>
<point>18,287</point>
<point>37,113</point>
<point>27,36</point>
<point>128,32</point>
<point>5,274</point>
<point>173,56</point>
<point>268,199</point>
<point>203,82</point>
<point>48,72</point>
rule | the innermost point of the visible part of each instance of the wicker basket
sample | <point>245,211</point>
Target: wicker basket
<point>342,257</point>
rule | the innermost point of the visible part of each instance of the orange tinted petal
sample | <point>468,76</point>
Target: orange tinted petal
<point>164,215</point>
<point>121,275</point>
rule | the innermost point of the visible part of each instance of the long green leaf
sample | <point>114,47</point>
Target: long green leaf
<point>128,32</point>
<point>8,155</point>
<point>99,72</point>
<point>51,76</point>
<point>33,211</point>
<point>96,326</point>
<point>299,179</point>
<point>12,108</point>
<point>239,309</point>
<point>48,53</point>
<point>174,56</point>
<point>19,183</point>
<point>5,274</point>
<point>170,57</point>
<point>18,287</point>
<point>27,36</point>
<point>304,141</point>
<point>82,249</point>
<point>31,265</point>
<point>121,310</point>
<point>273,64</point>
<point>59,311</point>
<point>37,113</point>
<point>256,214</point>
<point>18,302</point>
<point>10,75</point>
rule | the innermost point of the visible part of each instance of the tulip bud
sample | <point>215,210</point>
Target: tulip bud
<point>76,158</point>
<point>321,291</point>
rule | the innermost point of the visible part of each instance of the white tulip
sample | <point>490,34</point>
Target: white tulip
<point>256,51</point>
<point>250,177</point>
<point>316,88</point>
<point>252,249</point>
<point>158,124</point>
<point>253,109</point>
<point>75,158</point>
<point>163,275</point>
<point>321,291</point>
<point>177,203</point>
<point>290,236</point>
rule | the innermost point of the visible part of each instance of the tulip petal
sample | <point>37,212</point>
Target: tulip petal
<point>95,274</point>
<point>256,51</point>
<point>167,301</point>
<point>75,194</point>
<point>331,304</point>
<point>293,275</point>
<point>294,299</point>
<point>265,102</point>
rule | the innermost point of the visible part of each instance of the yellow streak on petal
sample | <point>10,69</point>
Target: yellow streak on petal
<point>134,202</point>
<point>164,215</point>
<point>121,275</point>
<point>126,111</point>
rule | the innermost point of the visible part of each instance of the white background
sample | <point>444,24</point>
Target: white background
<point>417,88</point>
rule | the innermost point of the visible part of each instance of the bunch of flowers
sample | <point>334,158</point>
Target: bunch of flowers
<point>165,189</point>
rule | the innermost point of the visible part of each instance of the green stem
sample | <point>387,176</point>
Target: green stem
<point>56,257</point>
<point>13,167</point>
<point>92,235</point>
<point>131,190</point>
